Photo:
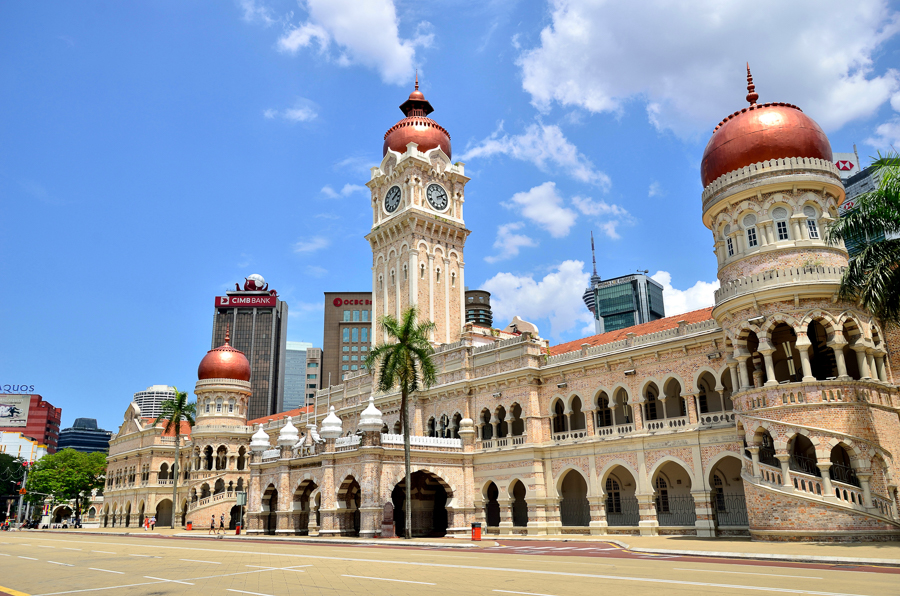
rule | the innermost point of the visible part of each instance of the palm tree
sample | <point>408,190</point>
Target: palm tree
<point>404,361</point>
<point>174,412</point>
<point>873,277</point>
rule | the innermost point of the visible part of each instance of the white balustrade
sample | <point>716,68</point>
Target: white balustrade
<point>417,441</point>
<point>270,454</point>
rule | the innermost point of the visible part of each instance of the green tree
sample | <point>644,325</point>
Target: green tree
<point>67,475</point>
<point>404,361</point>
<point>174,412</point>
<point>873,277</point>
<point>10,474</point>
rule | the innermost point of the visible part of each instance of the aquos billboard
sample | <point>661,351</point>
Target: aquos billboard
<point>14,410</point>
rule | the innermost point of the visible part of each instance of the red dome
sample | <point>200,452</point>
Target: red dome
<point>224,362</point>
<point>761,132</point>
<point>417,127</point>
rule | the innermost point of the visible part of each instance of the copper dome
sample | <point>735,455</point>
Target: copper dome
<point>224,362</point>
<point>417,127</point>
<point>759,133</point>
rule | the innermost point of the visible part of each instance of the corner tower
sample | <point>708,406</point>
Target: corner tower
<point>418,233</point>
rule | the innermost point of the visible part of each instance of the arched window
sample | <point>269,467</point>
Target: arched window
<point>604,414</point>
<point>453,279</point>
<point>729,242</point>
<point>811,227</point>
<point>750,226</point>
<point>780,215</point>
<point>613,497</point>
<point>559,417</point>
<point>437,275</point>
<point>422,270</point>
<point>662,495</point>
<point>405,272</point>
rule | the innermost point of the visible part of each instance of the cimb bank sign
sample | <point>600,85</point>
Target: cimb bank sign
<point>249,301</point>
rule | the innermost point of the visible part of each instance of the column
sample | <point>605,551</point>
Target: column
<point>862,362</point>
<point>384,289</point>
<point>374,306</point>
<point>754,455</point>
<point>784,459</point>
<point>795,227</point>
<point>804,363</point>
<point>462,294</point>
<point>770,368</point>
<point>870,361</point>
<point>413,277</point>
<point>430,274</point>
<point>732,368</point>
<point>648,524</point>
<point>879,367</point>
<point>824,468</point>
<point>598,523</point>
<point>742,369</point>
<point>838,349</point>
<point>705,522</point>
<point>691,403</point>
<point>447,279</point>
<point>397,284</point>
<point>864,477</point>
<point>506,519</point>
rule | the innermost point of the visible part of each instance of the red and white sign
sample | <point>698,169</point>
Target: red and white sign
<point>354,302</point>
<point>844,165</point>
<point>238,301</point>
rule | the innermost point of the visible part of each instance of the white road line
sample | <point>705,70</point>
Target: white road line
<point>174,581</point>
<point>106,570</point>
<point>39,546</point>
<point>106,552</point>
<point>526,593</point>
<point>55,563</point>
<point>29,558</point>
<point>98,589</point>
<point>384,579</point>
<point>587,561</point>
<point>243,592</point>
<point>4,555</point>
<point>69,548</point>
<point>148,556</point>
<point>195,561</point>
<point>747,573</point>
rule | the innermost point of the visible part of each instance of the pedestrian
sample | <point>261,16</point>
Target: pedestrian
<point>222,522</point>
<point>153,522</point>
<point>146,523</point>
<point>212,524</point>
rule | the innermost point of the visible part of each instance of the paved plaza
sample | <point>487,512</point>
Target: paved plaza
<point>45,563</point>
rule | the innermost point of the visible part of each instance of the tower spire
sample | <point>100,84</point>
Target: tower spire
<point>593,253</point>
<point>417,79</point>
<point>752,95</point>
<point>227,333</point>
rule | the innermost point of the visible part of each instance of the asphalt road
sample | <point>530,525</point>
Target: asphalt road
<point>33,563</point>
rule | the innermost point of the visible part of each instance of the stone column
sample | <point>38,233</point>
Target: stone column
<point>864,477</point>
<point>754,455</point>
<point>692,413</point>
<point>413,277</point>
<point>881,373</point>
<point>589,421</point>
<point>462,294</point>
<point>795,227</point>
<point>417,426</point>
<point>312,527</point>
<point>838,348</point>
<point>732,368</point>
<point>770,368</point>
<point>447,281</point>
<point>862,362</point>
<point>870,361</point>
<point>824,468</point>
<point>648,524</point>
<point>598,523</point>
<point>803,346</point>
<point>430,274</point>
<point>705,522</point>
<point>742,369</point>
<point>506,521</point>
<point>784,459</point>
<point>374,340</point>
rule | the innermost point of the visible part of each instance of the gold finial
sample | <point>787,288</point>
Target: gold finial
<point>752,95</point>
<point>227,333</point>
<point>417,79</point>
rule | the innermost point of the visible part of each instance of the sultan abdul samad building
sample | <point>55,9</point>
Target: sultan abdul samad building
<point>773,413</point>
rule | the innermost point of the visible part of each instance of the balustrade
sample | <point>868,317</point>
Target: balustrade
<point>570,435</point>
<point>848,493</point>
<point>614,431</point>
<point>807,483</point>
<point>716,418</point>
<point>271,454</point>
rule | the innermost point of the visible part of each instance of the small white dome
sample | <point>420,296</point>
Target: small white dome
<point>289,434</point>
<point>313,433</point>
<point>332,427</point>
<point>260,440</point>
<point>370,420</point>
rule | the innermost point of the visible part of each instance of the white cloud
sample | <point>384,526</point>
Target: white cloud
<point>256,12</point>
<point>700,295</point>
<point>316,271</point>
<point>544,146</point>
<point>887,136</point>
<point>655,190</point>
<point>543,205</point>
<point>609,228</point>
<point>556,297</point>
<point>348,190</point>
<point>303,110</point>
<point>685,60</point>
<point>616,214</point>
<point>364,33</point>
<point>356,163</point>
<point>312,244</point>
<point>509,243</point>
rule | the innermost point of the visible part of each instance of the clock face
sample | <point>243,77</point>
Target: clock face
<point>392,199</point>
<point>437,196</point>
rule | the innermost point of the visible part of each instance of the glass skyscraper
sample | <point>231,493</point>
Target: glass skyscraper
<point>626,301</point>
<point>295,375</point>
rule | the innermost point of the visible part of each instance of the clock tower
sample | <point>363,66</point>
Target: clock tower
<point>418,232</point>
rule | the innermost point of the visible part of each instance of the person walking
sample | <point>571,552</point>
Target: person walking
<point>146,523</point>
<point>152,522</point>
<point>222,523</point>
<point>212,524</point>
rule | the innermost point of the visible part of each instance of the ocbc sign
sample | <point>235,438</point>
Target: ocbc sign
<point>354,302</point>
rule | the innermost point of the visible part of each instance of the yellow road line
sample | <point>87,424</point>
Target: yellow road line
<point>11,592</point>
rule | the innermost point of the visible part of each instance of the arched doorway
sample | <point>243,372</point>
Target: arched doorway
<point>674,502</point>
<point>62,514</point>
<point>349,499</point>
<point>519,506</point>
<point>803,456</point>
<point>141,514</point>
<point>234,517</point>
<point>491,506</point>
<point>574,509</point>
<point>208,458</point>
<point>127,518</point>
<point>270,509</point>
<point>164,513</point>
<point>429,497</point>
<point>621,502</point>
<point>301,506</point>
<point>729,502</point>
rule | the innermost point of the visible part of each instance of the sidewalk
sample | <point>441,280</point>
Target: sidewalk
<point>862,553</point>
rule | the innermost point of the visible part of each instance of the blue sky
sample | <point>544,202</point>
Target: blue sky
<point>155,153</point>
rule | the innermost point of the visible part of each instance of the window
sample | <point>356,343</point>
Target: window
<point>364,348</point>
<point>345,367</point>
<point>380,282</point>
<point>750,225</point>
<point>365,315</point>
<point>355,334</point>
<point>311,386</point>
<point>437,275</point>
<point>346,333</point>
<point>355,316</point>
<point>207,408</point>
<point>345,349</point>
<point>730,245</point>
<point>354,367</point>
<point>218,407</point>
<point>354,358</point>
<point>310,376</point>
<point>779,214</point>
<point>364,334</point>
<point>345,358</point>
<point>405,273</point>
<point>312,365</point>
<point>354,349</point>
<point>230,408</point>
<point>392,278</point>
<point>346,315</point>
<point>453,279</point>
<point>811,226</point>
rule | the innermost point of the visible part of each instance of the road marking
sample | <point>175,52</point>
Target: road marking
<point>4,555</point>
<point>98,589</point>
<point>29,558</point>
<point>69,548</point>
<point>747,573</point>
<point>384,579</point>
<point>270,568</point>
<point>39,546</point>
<point>148,556</point>
<point>526,593</point>
<point>55,563</point>
<point>587,562</point>
<point>12,592</point>
<point>195,561</point>
<point>174,581</point>
<point>106,552</point>
<point>106,570</point>
<point>243,592</point>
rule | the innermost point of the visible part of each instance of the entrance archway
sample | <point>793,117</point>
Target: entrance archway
<point>234,517</point>
<point>674,503</point>
<point>63,514</point>
<point>127,517</point>
<point>491,505</point>
<point>164,513</point>
<point>729,502</point>
<point>519,506</point>
<point>621,502</point>
<point>574,509</point>
<point>429,497</point>
<point>270,508</point>
<point>302,507</point>
<point>349,498</point>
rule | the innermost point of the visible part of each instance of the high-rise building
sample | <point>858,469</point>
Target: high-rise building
<point>865,181</point>
<point>31,416</point>
<point>478,308</point>
<point>345,336</point>
<point>294,375</point>
<point>313,373</point>
<point>257,320</point>
<point>150,400</point>
<point>84,436</point>
<point>18,445</point>
<point>628,300</point>
<point>588,296</point>
<point>847,164</point>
